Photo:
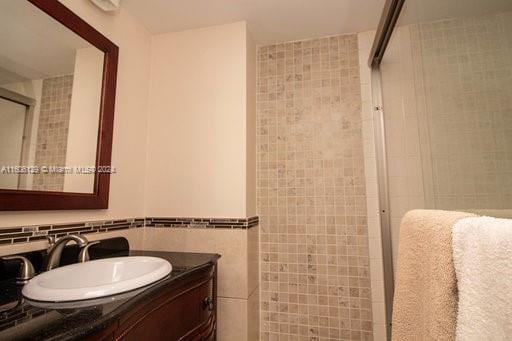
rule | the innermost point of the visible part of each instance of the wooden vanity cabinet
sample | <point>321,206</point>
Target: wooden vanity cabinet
<point>184,310</point>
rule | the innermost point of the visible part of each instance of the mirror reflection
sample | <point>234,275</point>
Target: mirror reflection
<point>50,92</point>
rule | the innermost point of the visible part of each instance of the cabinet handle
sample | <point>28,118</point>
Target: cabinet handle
<point>208,303</point>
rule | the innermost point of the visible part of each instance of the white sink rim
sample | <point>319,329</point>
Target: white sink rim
<point>90,280</point>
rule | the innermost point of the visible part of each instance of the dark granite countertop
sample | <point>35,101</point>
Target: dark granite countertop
<point>23,320</point>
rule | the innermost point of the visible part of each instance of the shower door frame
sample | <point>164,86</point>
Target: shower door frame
<point>388,20</point>
<point>29,104</point>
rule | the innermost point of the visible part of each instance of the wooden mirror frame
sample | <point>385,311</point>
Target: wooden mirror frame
<point>24,200</point>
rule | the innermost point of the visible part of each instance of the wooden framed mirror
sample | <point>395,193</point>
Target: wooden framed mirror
<point>57,96</point>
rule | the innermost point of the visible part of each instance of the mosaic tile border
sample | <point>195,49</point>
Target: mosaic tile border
<point>216,223</point>
<point>25,234</point>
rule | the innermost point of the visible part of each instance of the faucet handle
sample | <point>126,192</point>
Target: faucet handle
<point>83,256</point>
<point>26,270</point>
<point>51,240</point>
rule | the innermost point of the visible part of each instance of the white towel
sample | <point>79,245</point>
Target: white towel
<point>482,255</point>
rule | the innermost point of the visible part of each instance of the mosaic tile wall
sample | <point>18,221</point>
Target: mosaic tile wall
<point>315,280</point>
<point>464,66</point>
<point>52,132</point>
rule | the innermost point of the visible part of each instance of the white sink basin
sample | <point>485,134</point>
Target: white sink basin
<point>97,278</point>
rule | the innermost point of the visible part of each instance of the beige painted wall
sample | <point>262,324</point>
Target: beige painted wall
<point>84,118</point>
<point>201,158</point>
<point>127,186</point>
<point>202,101</point>
<point>198,151</point>
<point>250,126</point>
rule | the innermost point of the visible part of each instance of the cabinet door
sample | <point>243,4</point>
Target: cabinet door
<point>180,318</point>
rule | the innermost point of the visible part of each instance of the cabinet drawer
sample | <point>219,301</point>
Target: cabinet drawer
<point>181,317</point>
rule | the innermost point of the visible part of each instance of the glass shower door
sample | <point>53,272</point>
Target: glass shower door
<point>446,80</point>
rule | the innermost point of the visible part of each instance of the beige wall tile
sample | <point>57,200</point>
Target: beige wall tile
<point>230,244</point>
<point>135,238</point>
<point>253,316</point>
<point>253,269</point>
<point>232,323</point>
<point>238,310</point>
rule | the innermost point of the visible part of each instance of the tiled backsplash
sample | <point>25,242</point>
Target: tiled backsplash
<point>228,223</point>
<point>315,278</point>
<point>24,234</point>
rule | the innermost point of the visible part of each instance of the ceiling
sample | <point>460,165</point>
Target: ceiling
<point>268,20</point>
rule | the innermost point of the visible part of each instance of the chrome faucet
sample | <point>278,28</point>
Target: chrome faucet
<point>26,269</point>
<point>83,256</point>
<point>57,246</point>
